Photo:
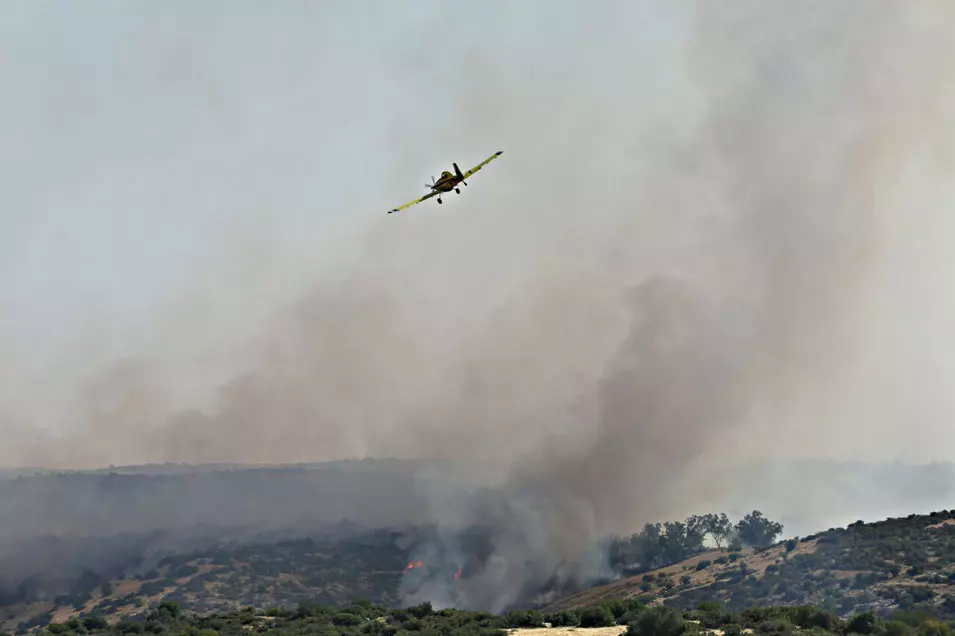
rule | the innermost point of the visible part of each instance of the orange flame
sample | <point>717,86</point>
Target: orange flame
<point>416,564</point>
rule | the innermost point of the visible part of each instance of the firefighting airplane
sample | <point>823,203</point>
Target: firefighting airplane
<point>448,181</point>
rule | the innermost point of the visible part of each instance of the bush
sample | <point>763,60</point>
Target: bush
<point>93,623</point>
<point>808,617</point>
<point>777,627</point>
<point>712,615</point>
<point>597,617</point>
<point>896,628</point>
<point>422,610</point>
<point>630,617</point>
<point>864,623</point>
<point>563,619</point>
<point>934,628</point>
<point>621,607</point>
<point>658,621</point>
<point>523,618</point>
<point>126,626</point>
<point>346,619</point>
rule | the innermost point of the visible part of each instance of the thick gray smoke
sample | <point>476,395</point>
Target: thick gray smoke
<point>757,315</point>
<point>627,302</point>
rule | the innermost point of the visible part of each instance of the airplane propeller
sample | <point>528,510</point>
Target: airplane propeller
<point>457,171</point>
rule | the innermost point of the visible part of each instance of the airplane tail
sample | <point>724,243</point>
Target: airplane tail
<point>457,171</point>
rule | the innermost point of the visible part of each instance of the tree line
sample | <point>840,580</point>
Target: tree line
<point>662,544</point>
<point>364,619</point>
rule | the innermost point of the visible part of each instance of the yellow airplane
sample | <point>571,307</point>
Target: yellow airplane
<point>448,181</point>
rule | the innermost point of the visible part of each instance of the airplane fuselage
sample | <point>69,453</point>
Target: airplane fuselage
<point>447,182</point>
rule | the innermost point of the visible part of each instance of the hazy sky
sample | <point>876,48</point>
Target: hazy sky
<point>176,171</point>
<point>180,176</point>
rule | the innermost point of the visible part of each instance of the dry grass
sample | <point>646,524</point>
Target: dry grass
<point>756,562</point>
<point>759,562</point>
<point>616,630</point>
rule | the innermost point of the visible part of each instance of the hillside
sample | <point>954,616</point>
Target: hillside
<point>332,569</point>
<point>900,563</point>
<point>215,538</point>
<point>894,564</point>
<point>609,619</point>
<point>327,570</point>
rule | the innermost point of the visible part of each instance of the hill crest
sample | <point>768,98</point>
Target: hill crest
<point>898,563</point>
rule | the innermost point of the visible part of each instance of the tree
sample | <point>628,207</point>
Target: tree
<point>618,551</point>
<point>566,618</point>
<point>756,530</point>
<point>717,526</point>
<point>597,617</point>
<point>674,541</point>
<point>657,621</point>
<point>647,545</point>
<point>696,532</point>
<point>346,619</point>
<point>864,623</point>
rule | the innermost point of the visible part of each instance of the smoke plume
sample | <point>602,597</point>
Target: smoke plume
<point>639,293</point>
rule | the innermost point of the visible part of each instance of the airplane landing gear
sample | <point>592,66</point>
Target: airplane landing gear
<point>439,200</point>
<point>457,190</point>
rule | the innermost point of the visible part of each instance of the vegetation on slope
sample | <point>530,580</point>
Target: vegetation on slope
<point>662,544</point>
<point>895,564</point>
<point>365,619</point>
<point>906,563</point>
<point>329,571</point>
<point>325,569</point>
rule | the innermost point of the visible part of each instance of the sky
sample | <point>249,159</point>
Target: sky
<point>176,172</point>
<point>192,224</point>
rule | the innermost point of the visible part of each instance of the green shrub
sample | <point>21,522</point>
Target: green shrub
<point>518,619</point>
<point>597,617</point>
<point>346,619</point>
<point>658,621</point>
<point>563,619</point>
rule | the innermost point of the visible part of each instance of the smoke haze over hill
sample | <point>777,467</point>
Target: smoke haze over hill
<point>717,233</point>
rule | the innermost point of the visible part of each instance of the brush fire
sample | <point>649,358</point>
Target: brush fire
<point>459,569</point>
<point>419,565</point>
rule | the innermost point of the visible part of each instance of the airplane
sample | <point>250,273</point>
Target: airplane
<point>448,181</point>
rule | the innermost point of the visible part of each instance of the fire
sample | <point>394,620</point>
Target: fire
<point>414,565</point>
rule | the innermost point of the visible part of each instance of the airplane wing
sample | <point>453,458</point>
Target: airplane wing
<point>483,163</point>
<point>410,203</point>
